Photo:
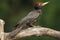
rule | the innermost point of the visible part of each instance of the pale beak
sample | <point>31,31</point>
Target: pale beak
<point>45,3</point>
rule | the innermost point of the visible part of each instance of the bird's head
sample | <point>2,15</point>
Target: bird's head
<point>39,5</point>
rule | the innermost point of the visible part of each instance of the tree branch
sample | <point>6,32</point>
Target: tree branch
<point>36,30</point>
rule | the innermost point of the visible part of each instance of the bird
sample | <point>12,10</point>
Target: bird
<point>29,19</point>
<point>32,16</point>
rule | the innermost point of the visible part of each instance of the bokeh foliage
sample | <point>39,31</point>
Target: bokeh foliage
<point>14,10</point>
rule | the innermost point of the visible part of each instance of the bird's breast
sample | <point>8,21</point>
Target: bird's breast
<point>35,14</point>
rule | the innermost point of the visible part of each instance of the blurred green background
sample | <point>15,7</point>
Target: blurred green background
<point>13,10</point>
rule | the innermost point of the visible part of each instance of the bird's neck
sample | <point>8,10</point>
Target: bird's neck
<point>39,11</point>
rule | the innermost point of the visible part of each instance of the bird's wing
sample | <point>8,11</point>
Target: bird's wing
<point>23,22</point>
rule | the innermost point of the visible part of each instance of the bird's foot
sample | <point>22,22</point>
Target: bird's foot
<point>35,26</point>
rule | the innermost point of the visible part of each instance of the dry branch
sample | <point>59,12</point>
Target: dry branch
<point>36,30</point>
